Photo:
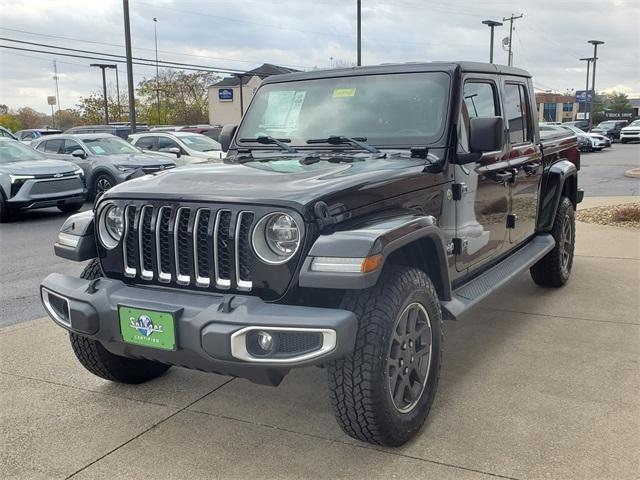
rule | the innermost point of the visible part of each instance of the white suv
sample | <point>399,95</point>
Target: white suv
<point>186,148</point>
<point>631,132</point>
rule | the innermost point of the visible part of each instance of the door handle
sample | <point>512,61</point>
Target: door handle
<point>531,168</point>
<point>504,176</point>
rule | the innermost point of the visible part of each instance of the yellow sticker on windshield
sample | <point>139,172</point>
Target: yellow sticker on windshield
<point>344,92</point>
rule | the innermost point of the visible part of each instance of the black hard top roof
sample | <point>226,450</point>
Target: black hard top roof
<point>411,67</point>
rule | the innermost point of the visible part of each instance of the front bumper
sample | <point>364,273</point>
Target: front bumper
<point>210,329</point>
<point>58,192</point>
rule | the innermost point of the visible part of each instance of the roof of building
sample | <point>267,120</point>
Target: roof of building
<point>263,71</point>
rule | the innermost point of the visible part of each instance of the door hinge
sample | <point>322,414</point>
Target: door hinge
<point>459,245</point>
<point>511,220</point>
<point>458,190</point>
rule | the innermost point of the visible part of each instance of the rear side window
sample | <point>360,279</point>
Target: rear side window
<point>516,105</point>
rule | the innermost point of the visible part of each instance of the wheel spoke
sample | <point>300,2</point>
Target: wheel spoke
<point>399,391</point>
<point>413,391</point>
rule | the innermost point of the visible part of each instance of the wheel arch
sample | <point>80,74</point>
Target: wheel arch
<point>560,179</point>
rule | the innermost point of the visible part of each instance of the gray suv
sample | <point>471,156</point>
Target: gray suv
<point>106,159</point>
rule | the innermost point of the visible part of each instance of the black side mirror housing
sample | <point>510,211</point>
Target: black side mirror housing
<point>79,153</point>
<point>226,135</point>
<point>486,134</point>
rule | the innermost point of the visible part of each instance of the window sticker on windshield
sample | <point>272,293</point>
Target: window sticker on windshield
<point>344,92</point>
<point>97,149</point>
<point>186,140</point>
<point>283,109</point>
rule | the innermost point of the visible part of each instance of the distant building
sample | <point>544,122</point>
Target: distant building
<point>554,107</point>
<point>635,105</point>
<point>228,98</point>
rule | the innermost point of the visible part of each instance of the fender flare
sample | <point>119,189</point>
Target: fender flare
<point>379,236</point>
<point>556,176</point>
<point>76,240</point>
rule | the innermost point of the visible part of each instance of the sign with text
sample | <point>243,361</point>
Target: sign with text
<point>225,94</point>
<point>623,115</point>
<point>51,100</point>
<point>581,94</point>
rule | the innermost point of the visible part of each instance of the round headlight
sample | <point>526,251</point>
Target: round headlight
<point>276,238</point>
<point>111,226</point>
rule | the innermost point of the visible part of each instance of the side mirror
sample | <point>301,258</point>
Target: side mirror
<point>226,135</point>
<point>486,134</point>
<point>174,150</point>
<point>78,153</point>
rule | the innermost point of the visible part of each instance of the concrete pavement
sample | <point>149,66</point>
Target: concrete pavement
<point>537,383</point>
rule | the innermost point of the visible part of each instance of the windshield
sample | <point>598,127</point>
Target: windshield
<point>109,146</point>
<point>200,143</point>
<point>391,109</point>
<point>635,123</point>
<point>13,151</point>
<point>606,124</point>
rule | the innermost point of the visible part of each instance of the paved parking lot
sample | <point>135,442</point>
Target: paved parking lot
<point>537,383</point>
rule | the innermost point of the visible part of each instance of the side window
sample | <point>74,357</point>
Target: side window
<point>53,146</point>
<point>165,143</point>
<point>145,143</point>
<point>41,146</point>
<point>479,100</point>
<point>70,146</point>
<point>516,104</point>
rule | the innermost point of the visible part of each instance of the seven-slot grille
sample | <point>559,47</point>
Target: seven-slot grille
<point>205,247</point>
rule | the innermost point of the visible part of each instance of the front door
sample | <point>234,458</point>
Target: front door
<point>481,212</point>
<point>525,160</point>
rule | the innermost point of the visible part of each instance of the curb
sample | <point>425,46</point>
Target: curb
<point>633,173</point>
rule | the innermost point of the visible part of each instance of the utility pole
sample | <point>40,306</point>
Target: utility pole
<point>118,94</point>
<point>103,67</point>
<point>595,44</point>
<point>492,24</point>
<point>359,32</point>
<point>127,38</point>
<point>55,77</point>
<point>511,19</point>
<point>155,36</point>
<point>586,91</point>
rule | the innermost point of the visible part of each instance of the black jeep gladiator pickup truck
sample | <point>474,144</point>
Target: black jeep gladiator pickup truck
<point>355,211</point>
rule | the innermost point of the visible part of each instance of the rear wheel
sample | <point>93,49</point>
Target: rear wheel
<point>382,392</point>
<point>99,361</point>
<point>554,269</point>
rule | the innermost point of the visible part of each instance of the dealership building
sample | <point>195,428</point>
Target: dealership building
<point>229,98</point>
<point>554,107</point>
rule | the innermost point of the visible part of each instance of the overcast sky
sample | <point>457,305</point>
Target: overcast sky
<point>243,34</point>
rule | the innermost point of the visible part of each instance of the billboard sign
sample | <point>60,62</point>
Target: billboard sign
<point>225,94</point>
<point>623,115</point>
<point>581,94</point>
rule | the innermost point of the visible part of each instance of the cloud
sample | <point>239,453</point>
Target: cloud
<point>305,34</point>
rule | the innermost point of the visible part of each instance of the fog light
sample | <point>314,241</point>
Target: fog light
<point>265,341</point>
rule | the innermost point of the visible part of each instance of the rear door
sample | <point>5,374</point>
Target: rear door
<point>481,212</point>
<point>525,159</point>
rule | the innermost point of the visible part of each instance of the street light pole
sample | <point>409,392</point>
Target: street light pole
<point>127,39</point>
<point>118,95</point>
<point>103,67</point>
<point>595,44</point>
<point>359,32</point>
<point>492,24</point>
<point>155,36</point>
<point>586,91</point>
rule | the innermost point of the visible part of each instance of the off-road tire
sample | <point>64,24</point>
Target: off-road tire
<point>359,383</point>
<point>70,207</point>
<point>552,270</point>
<point>99,361</point>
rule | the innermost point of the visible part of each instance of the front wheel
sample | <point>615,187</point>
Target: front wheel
<point>382,392</point>
<point>4,210</point>
<point>101,362</point>
<point>554,269</point>
<point>102,183</point>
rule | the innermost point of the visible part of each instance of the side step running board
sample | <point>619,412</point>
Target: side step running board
<point>469,294</point>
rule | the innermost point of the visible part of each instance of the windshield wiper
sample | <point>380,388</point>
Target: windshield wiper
<point>268,140</point>
<point>340,140</point>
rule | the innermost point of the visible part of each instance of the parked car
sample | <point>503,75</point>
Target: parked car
<point>581,124</point>
<point>5,132</point>
<point>631,132</point>
<point>29,180</point>
<point>211,131</point>
<point>105,159</point>
<point>610,128</point>
<point>30,134</point>
<point>603,139</point>
<point>185,147</point>
<point>344,241</point>
<point>586,142</point>
<point>165,128</point>
<point>119,130</point>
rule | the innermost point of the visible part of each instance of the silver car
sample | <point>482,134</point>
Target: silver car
<point>106,159</point>
<point>28,180</point>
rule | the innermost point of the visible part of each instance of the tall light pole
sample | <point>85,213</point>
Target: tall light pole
<point>595,44</point>
<point>118,94</point>
<point>492,24</point>
<point>586,90</point>
<point>155,36</point>
<point>103,67</point>
<point>511,19</point>
<point>127,40</point>
<point>359,32</point>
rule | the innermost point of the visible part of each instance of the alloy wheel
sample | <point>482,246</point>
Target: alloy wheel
<point>566,242</point>
<point>409,357</point>
<point>102,185</point>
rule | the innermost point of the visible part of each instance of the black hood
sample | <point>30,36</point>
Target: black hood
<point>284,181</point>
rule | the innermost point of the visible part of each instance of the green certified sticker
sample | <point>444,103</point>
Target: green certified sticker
<point>148,328</point>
